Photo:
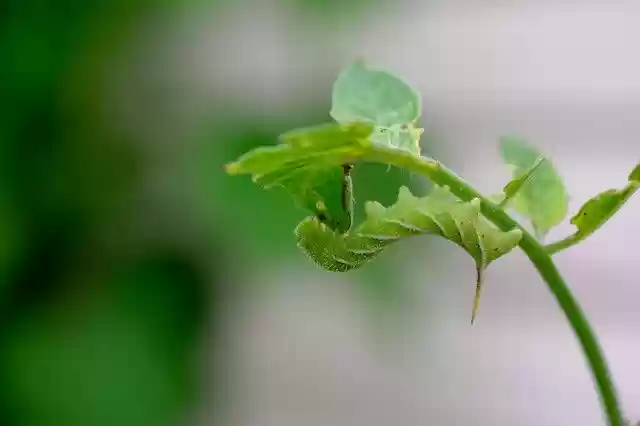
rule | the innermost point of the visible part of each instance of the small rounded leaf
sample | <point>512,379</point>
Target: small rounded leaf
<point>363,94</point>
<point>544,199</point>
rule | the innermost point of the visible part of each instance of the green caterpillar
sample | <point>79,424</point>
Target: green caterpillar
<point>438,213</point>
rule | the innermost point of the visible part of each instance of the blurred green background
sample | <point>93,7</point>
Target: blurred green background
<point>123,245</point>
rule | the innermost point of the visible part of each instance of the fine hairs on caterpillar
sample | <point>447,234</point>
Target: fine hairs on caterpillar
<point>438,213</point>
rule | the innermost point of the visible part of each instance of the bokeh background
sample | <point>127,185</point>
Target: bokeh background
<point>140,285</point>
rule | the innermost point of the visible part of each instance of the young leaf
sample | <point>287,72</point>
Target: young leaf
<point>543,199</point>
<point>439,213</point>
<point>597,211</point>
<point>512,188</point>
<point>364,94</point>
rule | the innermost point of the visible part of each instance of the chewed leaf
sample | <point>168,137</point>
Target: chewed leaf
<point>405,137</point>
<point>595,212</point>
<point>438,213</point>
<point>598,209</point>
<point>376,96</point>
<point>543,199</point>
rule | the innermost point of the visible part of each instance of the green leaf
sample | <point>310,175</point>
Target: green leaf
<point>439,213</point>
<point>515,185</point>
<point>543,199</point>
<point>595,212</point>
<point>315,147</point>
<point>364,94</point>
<point>309,165</point>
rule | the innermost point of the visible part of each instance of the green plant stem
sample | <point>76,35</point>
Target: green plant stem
<point>564,243</point>
<point>542,261</point>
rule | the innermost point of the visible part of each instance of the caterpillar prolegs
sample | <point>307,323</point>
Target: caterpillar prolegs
<point>438,213</point>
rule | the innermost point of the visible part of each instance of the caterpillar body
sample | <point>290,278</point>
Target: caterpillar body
<point>439,213</point>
